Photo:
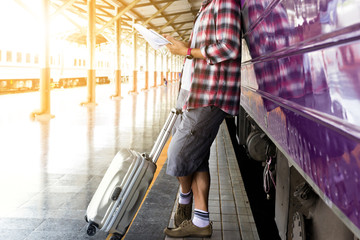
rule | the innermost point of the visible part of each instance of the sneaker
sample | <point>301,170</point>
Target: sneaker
<point>183,212</point>
<point>188,229</point>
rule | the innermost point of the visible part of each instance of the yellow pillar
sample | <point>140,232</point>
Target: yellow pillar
<point>44,112</point>
<point>117,79</point>
<point>155,68</point>
<point>172,68</point>
<point>91,41</point>
<point>146,67</point>
<point>167,68</point>
<point>162,70</point>
<point>177,64</point>
<point>178,68</point>
<point>134,87</point>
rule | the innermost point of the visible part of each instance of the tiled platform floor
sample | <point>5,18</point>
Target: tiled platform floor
<point>50,170</point>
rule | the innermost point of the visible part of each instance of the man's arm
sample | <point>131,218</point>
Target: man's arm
<point>228,32</point>
<point>181,48</point>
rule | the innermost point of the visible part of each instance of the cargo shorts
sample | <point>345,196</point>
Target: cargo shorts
<point>193,135</point>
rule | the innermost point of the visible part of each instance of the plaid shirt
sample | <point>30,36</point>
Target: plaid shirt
<point>216,79</point>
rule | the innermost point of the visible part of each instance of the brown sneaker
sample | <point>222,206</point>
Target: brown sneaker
<point>183,212</point>
<point>188,229</point>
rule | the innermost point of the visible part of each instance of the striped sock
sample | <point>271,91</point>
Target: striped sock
<point>185,198</point>
<point>201,218</point>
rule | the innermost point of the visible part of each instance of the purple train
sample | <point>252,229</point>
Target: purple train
<point>300,108</point>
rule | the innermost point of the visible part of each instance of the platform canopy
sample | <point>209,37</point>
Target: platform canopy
<point>166,17</point>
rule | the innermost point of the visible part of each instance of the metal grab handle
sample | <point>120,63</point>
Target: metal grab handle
<point>164,135</point>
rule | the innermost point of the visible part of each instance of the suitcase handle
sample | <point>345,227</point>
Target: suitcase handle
<point>116,193</point>
<point>164,135</point>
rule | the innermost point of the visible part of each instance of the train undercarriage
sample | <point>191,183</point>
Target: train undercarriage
<point>301,212</point>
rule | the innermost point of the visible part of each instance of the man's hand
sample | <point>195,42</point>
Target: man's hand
<point>177,47</point>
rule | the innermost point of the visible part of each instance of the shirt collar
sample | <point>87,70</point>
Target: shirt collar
<point>204,4</point>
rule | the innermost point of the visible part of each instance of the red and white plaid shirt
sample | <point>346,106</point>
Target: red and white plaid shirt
<point>216,79</point>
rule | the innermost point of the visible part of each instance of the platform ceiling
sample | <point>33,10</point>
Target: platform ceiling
<point>171,17</point>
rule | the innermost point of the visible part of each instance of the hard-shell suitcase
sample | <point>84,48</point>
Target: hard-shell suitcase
<point>124,185</point>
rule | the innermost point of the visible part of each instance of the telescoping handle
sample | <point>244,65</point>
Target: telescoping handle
<point>164,135</point>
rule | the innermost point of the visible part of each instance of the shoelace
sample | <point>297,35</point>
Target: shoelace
<point>186,223</point>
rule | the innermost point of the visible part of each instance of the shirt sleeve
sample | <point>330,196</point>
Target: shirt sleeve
<point>228,32</point>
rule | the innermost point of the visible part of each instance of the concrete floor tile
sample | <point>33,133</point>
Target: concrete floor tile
<point>216,225</point>
<point>61,225</point>
<point>232,235</point>
<point>230,226</point>
<point>215,235</point>
<point>9,234</point>
<point>20,223</point>
<point>229,218</point>
<point>215,217</point>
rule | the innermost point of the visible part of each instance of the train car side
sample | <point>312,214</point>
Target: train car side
<point>20,68</point>
<point>300,106</point>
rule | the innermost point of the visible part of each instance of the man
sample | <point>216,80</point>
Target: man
<point>210,89</point>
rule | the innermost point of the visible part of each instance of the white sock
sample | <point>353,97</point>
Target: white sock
<point>201,218</point>
<point>185,198</point>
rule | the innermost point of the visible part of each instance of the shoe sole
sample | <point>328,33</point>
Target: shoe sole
<point>190,235</point>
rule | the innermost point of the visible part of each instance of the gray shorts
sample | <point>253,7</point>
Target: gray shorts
<point>193,135</point>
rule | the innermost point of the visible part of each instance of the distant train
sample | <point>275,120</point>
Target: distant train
<point>20,68</point>
<point>300,112</point>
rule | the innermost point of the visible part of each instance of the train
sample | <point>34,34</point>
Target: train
<point>20,67</point>
<point>300,112</point>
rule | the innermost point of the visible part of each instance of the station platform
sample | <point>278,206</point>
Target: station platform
<point>51,169</point>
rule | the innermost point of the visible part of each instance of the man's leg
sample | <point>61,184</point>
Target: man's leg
<point>200,188</point>
<point>199,184</point>
<point>189,152</point>
<point>200,225</point>
<point>185,183</point>
<point>184,207</point>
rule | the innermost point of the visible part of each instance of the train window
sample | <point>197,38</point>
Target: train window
<point>36,59</point>
<point>28,58</point>
<point>84,62</point>
<point>75,62</point>
<point>18,57</point>
<point>79,62</point>
<point>9,56</point>
<point>51,60</point>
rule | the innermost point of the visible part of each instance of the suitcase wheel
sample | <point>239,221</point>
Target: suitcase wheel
<point>116,236</point>
<point>91,229</point>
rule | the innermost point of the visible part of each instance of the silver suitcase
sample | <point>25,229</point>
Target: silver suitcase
<point>124,185</point>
